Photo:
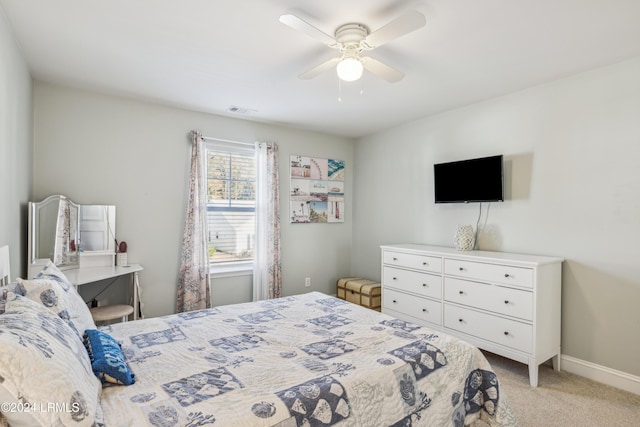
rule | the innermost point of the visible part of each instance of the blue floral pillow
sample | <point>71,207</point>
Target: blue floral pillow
<point>4,290</point>
<point>107,360</point>
<point>66,303</point>
<point>51,272</point>
<point>3,300</point>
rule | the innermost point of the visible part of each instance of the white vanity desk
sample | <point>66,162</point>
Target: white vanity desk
<point>86,275</point>
<point>80,240</point>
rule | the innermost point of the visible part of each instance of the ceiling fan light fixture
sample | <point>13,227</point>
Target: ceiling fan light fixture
<point>349,69</point>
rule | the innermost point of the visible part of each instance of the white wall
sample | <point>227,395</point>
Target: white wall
<point>16,150</point>
<point>135,155</point>
<point>572,155</point>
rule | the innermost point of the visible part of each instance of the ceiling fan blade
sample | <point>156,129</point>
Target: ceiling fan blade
<point>303,26</point>
<point>315,71</point>
<point>381,70</point>
<point>400,26</point>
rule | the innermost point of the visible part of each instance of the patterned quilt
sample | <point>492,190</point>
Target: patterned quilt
<point>307,360</point>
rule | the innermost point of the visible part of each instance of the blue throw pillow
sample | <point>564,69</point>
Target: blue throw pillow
<point>107,360</point>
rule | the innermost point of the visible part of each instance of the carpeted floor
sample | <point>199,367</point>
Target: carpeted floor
<point>563,399</point>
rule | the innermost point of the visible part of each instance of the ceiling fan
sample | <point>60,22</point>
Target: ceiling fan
<point>352,40</point>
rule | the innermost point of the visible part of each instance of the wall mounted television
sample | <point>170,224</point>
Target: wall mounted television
<point>468,181</point>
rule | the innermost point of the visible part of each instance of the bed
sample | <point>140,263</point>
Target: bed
<point>304,360</point>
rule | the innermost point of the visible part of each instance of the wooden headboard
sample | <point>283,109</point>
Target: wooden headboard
<point>5,270</point>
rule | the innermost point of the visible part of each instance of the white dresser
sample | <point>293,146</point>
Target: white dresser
<point>508,304</point>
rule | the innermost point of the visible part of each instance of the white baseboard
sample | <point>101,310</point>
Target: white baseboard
<point>601,374</point>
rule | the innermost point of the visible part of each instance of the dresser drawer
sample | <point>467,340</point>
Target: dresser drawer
<point>411,305</point>
<point>507,301</point>
<point>417,262</point>
<point>496,273</point>
<point>412,281</point>
<point>502,331</point>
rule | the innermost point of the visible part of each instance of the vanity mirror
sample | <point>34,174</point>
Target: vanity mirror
<point>60,230</point>
<point>97,228</point>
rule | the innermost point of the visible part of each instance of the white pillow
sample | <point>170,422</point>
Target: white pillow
<point>44,367</point>
<point>65,302</point>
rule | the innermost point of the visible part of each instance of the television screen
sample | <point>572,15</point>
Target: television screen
<point>465,181</point>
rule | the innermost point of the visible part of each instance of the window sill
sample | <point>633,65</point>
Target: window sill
<point>231,269</point>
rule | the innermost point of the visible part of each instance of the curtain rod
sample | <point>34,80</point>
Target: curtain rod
<point>207,138</point>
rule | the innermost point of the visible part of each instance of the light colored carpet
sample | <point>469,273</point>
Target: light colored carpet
<point>563,399</point>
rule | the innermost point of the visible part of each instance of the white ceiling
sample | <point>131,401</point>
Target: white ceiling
<point>207,55</point>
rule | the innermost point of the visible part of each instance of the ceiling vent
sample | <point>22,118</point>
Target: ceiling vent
<point>240,110</point>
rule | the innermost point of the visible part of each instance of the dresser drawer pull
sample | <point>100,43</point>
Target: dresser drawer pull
<point>506,275</point>
<point>424,285</point>
<point>506,332</point>
<point>395,302</point>
<point>394,278</point>
<point>424,310</point>
<point>506,301</point>
<point>395,259</point>
<point>425,263</point>
<point>461,268</point>
<point>461,292</point>
<point>460,320</point>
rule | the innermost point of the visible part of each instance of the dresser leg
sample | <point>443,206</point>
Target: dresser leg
<point>533,374</point>
<point>555,360</point>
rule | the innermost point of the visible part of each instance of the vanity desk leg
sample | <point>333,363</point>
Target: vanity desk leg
<point>137,303</point>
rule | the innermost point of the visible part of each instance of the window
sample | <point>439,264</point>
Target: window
<point>231,201</point>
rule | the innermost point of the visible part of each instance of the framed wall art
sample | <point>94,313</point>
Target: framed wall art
<point>317,190</point>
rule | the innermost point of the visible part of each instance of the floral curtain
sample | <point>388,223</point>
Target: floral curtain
<point>193,281</point>
<point>267,275</point>
<point>63,233</point>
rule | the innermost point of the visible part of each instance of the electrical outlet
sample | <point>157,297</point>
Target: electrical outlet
<point>307,282</point>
